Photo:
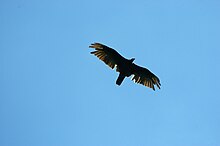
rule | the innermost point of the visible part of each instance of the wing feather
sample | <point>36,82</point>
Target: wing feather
<point>108,55</point>
<point>145,77</point>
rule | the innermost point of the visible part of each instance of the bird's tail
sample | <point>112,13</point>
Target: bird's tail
<point>120,79</point>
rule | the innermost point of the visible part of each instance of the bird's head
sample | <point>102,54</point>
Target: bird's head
<point>132,59</point>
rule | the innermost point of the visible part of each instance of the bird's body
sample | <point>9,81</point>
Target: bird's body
<point>124,70</point>
<point>124,66</point>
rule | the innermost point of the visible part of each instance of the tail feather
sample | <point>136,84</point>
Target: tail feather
<point>120,79</point>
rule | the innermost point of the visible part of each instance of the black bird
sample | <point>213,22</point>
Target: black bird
<point>125,67</point>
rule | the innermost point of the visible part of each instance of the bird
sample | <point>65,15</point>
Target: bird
<point>124,66</point>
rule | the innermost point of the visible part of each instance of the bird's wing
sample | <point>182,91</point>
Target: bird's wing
<point>145,77</point>
<point>106,54</point>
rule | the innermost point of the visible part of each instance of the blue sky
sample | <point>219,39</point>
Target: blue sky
<point>54,93</point>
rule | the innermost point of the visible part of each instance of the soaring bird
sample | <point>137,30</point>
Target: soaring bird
<point>124,66</point>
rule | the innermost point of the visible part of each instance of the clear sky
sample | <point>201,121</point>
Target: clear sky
<point>53,92</point>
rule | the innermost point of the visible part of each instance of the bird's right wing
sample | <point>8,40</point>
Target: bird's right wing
<point>108,55</point>
<point>145,77</point>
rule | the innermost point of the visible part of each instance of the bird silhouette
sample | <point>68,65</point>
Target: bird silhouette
<point>125,67</point>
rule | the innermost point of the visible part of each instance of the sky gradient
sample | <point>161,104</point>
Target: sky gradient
<point>53,92</point>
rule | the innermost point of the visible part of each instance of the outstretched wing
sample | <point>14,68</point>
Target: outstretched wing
<point>145,77</point>
<point>108,55</point>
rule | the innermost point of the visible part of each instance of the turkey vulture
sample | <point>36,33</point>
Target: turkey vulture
<point>124,66</point>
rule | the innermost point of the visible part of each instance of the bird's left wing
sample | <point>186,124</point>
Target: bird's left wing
<point>108,55</point>
<point>145,77</point>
